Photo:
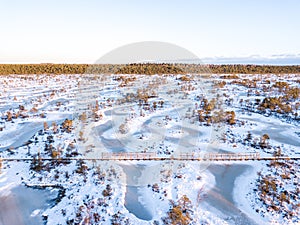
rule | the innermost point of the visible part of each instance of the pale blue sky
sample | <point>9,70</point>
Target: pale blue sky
<point>82,31</point>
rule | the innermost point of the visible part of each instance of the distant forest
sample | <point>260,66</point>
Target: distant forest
<point>144,68</point>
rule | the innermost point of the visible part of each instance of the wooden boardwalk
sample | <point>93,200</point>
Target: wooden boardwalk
<point>137,156</point>
<point>183,156</point>
<point>129,156</point>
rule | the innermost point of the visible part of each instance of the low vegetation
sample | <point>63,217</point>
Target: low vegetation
<point>278,189</point>
<point>180,212</point>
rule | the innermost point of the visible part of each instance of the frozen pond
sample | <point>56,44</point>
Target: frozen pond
<point>133,189</point>
<point>24,206</point>
<point>221,196</point>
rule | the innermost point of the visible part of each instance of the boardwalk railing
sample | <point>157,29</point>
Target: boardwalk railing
<point>183,156</point>
<point>129,156</point>
<point>123,156</point>
<point>221,156</point>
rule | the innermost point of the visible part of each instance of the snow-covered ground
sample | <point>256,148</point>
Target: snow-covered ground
<point>81,117</point>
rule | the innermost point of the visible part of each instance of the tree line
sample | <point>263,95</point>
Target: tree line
<point>144,68</point>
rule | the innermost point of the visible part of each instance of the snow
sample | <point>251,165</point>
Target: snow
<point>150,132</point>
<point>242,185</point>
